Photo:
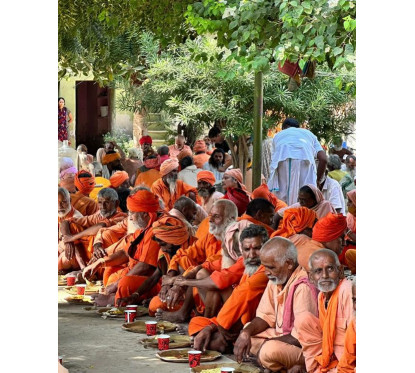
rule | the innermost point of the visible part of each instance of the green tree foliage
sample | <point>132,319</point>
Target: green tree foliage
<point>202,91</point>
<point>262,31</point>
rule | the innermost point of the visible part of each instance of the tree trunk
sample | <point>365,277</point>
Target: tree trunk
<point>258,109</point>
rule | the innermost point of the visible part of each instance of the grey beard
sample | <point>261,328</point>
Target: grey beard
<point>172,185</point>
<point>108,214</point>
<point>327,288</point>
<point>62,215</point>
<point>250,269</point>
<point>278,281</point>
<point>219,231</point>
<point>351,172</point>
<point>203,193</point>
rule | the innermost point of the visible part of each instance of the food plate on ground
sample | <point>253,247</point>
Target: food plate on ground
<point>181,355</point>
<point>139,326</point>
<point>89,289</point>
<point>114,312</point>
<point>79,299</point>
<point>61,280</point>
<point>176,341</point>
<point>215,368</point>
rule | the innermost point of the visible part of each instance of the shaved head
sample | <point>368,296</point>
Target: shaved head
<point>280,249</point>
<point>323,253</point>
<point>230,209</point>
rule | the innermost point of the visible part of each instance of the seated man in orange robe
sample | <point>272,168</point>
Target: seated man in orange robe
<point>263,192</point>
<point>240,303</point>
<point>272,336</point>
<point>171,234</point>
<point>85,184</point>
<point>235,190</point>
<point>347,363</point>
<point>168,188</point>
<point>135,254</point>
<point>121,183</point>
<point>297,225</point>
<point>188,261</point>
<point>322,338</point>
<point>78,233</point>
<point>206,189</point>
<point>149,172</point>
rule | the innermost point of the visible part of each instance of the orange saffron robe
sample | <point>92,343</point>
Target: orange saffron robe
<point>257,222</point>
<point>241,305</point>
<point>110,235</point>
<point>163,192</point>
<point>85,205</point>
<point>147,178</point>
<point>347,363</point>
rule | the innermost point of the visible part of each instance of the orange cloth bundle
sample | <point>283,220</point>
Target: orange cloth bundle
<point>168,166</point>
<point>143,201</point>
<point>184,153</point>
<point>263,192</point>
<point>329,228</point>
<point>295,220</point>
<point>199,146</point>
<point>108,158</point>
<point>206,176</point>
<point>118,178</point>
<point>171,230</point>
<point>85,184</point>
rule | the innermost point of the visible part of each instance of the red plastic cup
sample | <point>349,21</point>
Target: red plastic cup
<point>163,342</point>
<point>70,280</point>
<point>80,289</point>
<point>227,370</point>
<point>151,327</point>
<point>132,307</point>
<point>60,359</point>
<point>194,358</point>
<point>129,315</point>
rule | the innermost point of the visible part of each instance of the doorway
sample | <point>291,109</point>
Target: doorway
<point>92,119</point>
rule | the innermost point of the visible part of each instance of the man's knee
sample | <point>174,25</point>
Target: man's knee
<point>203,273</point>
<point>276,355</point>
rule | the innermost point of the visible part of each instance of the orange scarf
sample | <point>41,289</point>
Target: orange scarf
<point>257,222</point>
<point>328,325</point>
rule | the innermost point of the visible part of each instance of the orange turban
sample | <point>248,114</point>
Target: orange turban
<point>168,166</point>
<point>184,153</point>
<point>84,184</point>
<point>329,228</point>
<point>146,140</point>
<point>171,230</point>
<point>263,192</point>
<point>295,220</point>
<point>118,178</point>
<point>199,146</point>
<point>108,158</point>
<point>207,176</point>
<point>352,196</point>
<point>143,201</point>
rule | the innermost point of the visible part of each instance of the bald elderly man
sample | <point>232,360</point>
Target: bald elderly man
<point>168,188</point>
<point>179,146</point>
<point>271,335</point>
<point>322,338</point>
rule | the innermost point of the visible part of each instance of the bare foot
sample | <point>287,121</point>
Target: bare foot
<point>182,329</point>
<point>177,316</point>
<point>103,300</point>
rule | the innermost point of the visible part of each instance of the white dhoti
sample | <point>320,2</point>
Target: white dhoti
<point>289,177</point>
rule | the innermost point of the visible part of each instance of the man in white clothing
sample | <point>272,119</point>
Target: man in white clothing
<point>332,192</point>
<point>293,163</point>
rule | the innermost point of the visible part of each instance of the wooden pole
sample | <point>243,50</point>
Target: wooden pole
<point>258,109</point>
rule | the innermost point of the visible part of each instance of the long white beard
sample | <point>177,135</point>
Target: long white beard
<point>250,268</point>
<point>172,185</point>
<point>219,230</point>
<point>327,288</point>
<point>108,214</point>
<point>132,226</point>
<point>63,214</point>
<point>278,281</point>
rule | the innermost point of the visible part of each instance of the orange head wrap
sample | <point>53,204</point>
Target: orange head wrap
<point>85,184</point>
<point>171,230</point>
<point>207,176</point>
<point>199,146</point>
<point>352,196</point>
<point>295,220</point>
<point>237,174</point>
<point>152,161</point>
<point>263,192</point>
<point>329,228</point>
<point>184,153</point>
<point>118,178</point>
<point>108,158</point>
<point>146,140</point>
<point>168,166</point>
<point>143,201</point>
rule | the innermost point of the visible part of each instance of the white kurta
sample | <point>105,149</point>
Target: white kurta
<point>332,192</point>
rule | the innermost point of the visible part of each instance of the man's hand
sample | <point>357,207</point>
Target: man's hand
<point>168,280</point>
<point>163,292</point>
<point>174,296</point>
<point>99,251</point>
<point>201,341</point>
<point>111,289</point>
<point>90,269</point>
<point>69,250</point>
<point>180,281</point>
<point>67,238</point>
<point>132,299</point>
<point>242,346</point>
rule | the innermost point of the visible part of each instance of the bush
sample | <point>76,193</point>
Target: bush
<point>121,137</point>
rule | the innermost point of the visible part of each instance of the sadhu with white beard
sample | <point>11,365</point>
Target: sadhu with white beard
<point>323,337</point>
<point>188,262</point>
<point>65,209</point>
<point>168,188</point>
<point>239,303</point>
<point>75,248</point>
<point>271,335</point>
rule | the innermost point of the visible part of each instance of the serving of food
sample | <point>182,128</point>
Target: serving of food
<point>176,341</point>
<point>181,355</point>
<point>216,368</point>
<point>79,299</point>
<point>139,326</point>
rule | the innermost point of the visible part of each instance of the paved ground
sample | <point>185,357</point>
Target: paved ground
<point>89,343</point>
